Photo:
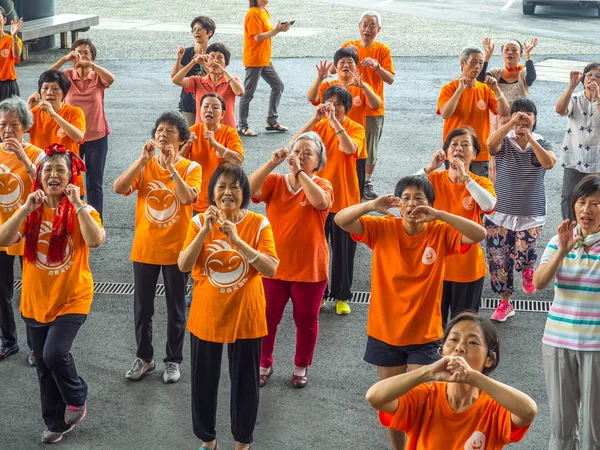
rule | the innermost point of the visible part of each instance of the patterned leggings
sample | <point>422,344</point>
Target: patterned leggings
<point>508,250</point>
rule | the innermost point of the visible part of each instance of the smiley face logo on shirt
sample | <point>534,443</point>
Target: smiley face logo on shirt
<point>468,203</point>
<point>162,205</point>
<point>5,52</point>
<point>11,187</point>
<point>356,101</point>
<point>429,256</point>
<point>226,266</point>
<point>42,251</point>
<point>476,441</point>
<point>482,105</point>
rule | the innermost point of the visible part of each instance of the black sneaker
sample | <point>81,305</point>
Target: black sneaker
<point>5,352</point>
<point>369,193</point>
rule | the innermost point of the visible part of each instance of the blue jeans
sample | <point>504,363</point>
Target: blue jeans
<point>94,155</point>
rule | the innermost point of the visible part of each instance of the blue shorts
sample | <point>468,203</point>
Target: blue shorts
<point>381,354</point>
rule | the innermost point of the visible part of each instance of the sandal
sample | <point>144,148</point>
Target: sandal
<point>300,381</point>
<point>276,127</point>
<point>263,379</point>
<point>247,131</point>
<point>216,447</point>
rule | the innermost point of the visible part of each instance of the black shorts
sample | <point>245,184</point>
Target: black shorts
<point>381,354</point>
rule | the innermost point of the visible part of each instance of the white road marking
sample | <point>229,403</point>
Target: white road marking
<point>386,2</point>
<point>507,5</point>
<point>557,70</point>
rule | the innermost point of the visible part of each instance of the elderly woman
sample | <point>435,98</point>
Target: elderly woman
<point>571,343</point>
<point>88,82</point>
<point>18,160</point>
<point>53,120</point>
<point>258,33</point>
<point>453,402</point>
<point>167,186</point>
<point>218,81</point>
<point>581,144</point>
<point>10,54</point>
<point>203,28</point>
<point>58,228</point>
<point>461,192</point>
<point>297,207</point>
<point>467,102</point>
<point>343,140</point>
<point>522,159</point>
<point>228,249</point>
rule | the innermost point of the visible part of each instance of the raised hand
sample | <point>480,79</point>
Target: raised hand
<point>352,47</point>
<point>33,100</point>
<point>82,63</point>
<point>180,52</point>
<point>202,60</point>
<point>294,164</point>
<point>492,83</point>
<point>370,62</point>
<point>46,107</point>
<point>14,145</point>
<point>211,216</point>
<point>319,112</point>
<point>424,214</point>
<point>73,194</point>
<point>437,159</point>
<point>575,78</point>
<point>595,90</point>
<point>34,200</point>
<point>566,235</point>
<point>464,83</point>
<point>230,231</point>
<point>148,151</point>
<point>73,56</point>
<point>169,155</point>
<point>528,46</point>
<point>329,111</point>
<point>459,166</point>
<point>452,369</point>
<point>488,48</point>
<point>323,69</point>
<point>384,203</point>
<point>210,137</point>
<point>357,79</point>
<point>15,26</point>
<point>278,156</point>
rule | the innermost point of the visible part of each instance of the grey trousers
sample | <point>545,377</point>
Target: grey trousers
<point>270,75</point>
<point>571,177</point>
<point>573,381</point>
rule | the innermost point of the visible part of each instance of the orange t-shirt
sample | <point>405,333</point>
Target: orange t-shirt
<point>46,131</point>
<point>7,60</point>
<point>203,153</point>
<point>340,169</point>
<point>66,287</point>
<point>15,186</point>
<point>473,110</point>
<point>382,54</point>
<point>358,113</point>
<point>430,423</point>
<point>456,199</point>
<point>229,300</point>
<point>298,229</point>
<point>161,220</point>
<point>406,279</point>
<point>257,54</point>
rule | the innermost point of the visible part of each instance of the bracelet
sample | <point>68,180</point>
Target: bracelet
<point>31,168</point>
<point>341,131</point>
<point>93,66</point>
<point>172,175</point>
<point>79,209</point>
<point>253,260</point>
<point>466,178</point>
<point>230,80</point>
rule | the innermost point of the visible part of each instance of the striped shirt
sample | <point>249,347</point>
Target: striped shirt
<point>520,178</point>
<point>574,318</point>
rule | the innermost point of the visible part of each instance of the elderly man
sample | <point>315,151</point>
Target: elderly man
<point>468,102</point>
<point>376,67</point>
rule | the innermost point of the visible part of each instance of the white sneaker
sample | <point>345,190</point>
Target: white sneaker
<point>171,374</point>
<point>139,369</point>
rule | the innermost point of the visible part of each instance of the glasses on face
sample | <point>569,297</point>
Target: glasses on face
<point>197,30</point>
<point>595,75</point>
<point>417,198</point>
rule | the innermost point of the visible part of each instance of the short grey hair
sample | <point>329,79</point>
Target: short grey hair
<point>467,51</point>
<point>316,139</point>
<point>17,105</point>
<point>370,14</point>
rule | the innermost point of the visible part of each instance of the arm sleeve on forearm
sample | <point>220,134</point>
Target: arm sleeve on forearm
<point>483,73</point>
<point>530,76</point>
<point>483,198</point>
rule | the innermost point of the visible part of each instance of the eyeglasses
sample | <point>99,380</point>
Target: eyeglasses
<point>416,198</point>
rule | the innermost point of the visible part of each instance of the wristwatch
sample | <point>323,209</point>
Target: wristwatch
<point>466,178</point>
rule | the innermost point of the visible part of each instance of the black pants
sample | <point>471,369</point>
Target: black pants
<point>8,328</point>
<point>244,360</point>
<point>459,297</point>
<point>343,248</point>
<point>145,278</point>
<point>361,172</point>
<point>94,154</point>
<point>8,89</point>
<point>57,375</point>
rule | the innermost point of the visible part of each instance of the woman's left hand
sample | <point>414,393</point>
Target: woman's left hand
<point>14,145</point>
<point>73,194</point>
<point>229,229</point>
<point>459,369</point>
<point>357,80</point>
<point>46,106</point>
<point>459,166</point>
<point>294,164</point>
<point>82,64</point>
<point>492,83</point>
<point>528,46</point>
<point>169,153</point>
<point>425,214</point>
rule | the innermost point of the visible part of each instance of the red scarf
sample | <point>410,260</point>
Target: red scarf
<point>508,70</point>
<point>62,223</point>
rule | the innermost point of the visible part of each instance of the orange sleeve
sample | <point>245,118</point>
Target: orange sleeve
<point>506,429</point>
<point>266,189</point>
<point>386,61</point>
<point>135,184</point>
<point>254,23</point>
<point>96,216</point>
<point>192,84</point>
<point>328,188</point>
<point>410,406</point>
<point>492,101</point>
<point>266,242</point>
<point>20,43</point>
<point>234,143</point>
<point>193,177</point>
<point>371,227</point>
<point>453,240</point>
<point>445,94</point>
<point>357,134</point>
<point>322,88</point>
<point>192,232</point>
<point>77,119</point>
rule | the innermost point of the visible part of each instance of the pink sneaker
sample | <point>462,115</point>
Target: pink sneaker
<point>527,276</point>
<point>503,312</point>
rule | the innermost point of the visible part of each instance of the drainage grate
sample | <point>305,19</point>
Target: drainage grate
<point>358,297</point>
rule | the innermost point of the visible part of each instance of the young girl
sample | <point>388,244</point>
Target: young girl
<point>452,403</point>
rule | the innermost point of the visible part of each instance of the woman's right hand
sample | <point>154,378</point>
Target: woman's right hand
<point>319,113</point>
<point>566,236</point>
<point>278,156</point>
<point>148,151</point>
<point>282,27</point>
<point>180,52</point>
<point>33,100</point>
<point>488,48</point>
<point>323,69</point>
<point>575,78</point>
<point>384,203</point>
<point>211,216</point>
<point>34,200</point>
<point>437,160</point>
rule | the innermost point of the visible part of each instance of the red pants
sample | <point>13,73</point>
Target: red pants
<point>306,302</point>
